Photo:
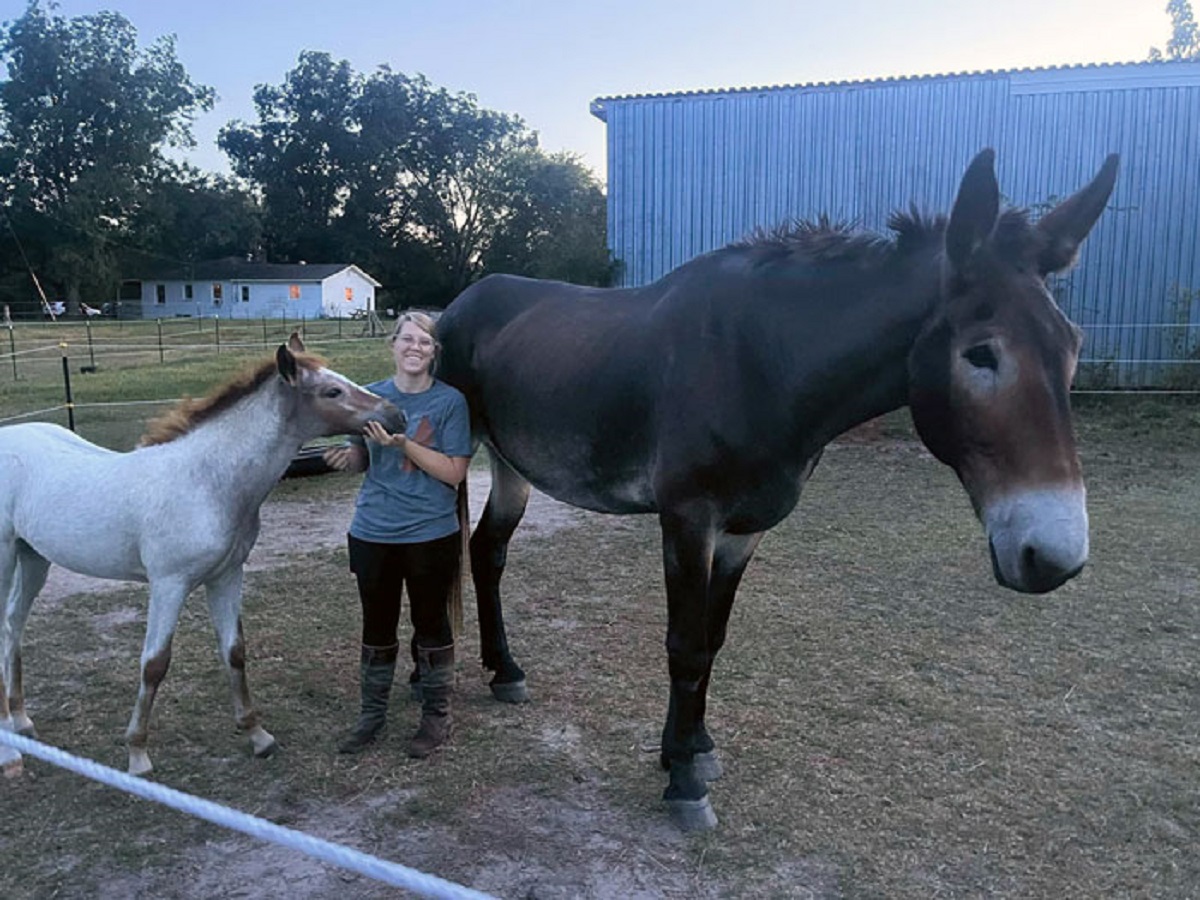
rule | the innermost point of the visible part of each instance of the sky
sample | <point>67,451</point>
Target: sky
<point>546,60</point>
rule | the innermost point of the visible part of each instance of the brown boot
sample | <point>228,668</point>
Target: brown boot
<point>376,671</point>
<point>437,685</point>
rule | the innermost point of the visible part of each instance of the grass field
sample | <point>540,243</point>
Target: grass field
<point>893,724</point>
<point>113,401</point>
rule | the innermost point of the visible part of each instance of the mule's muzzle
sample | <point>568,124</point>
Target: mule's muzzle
<point>1038,539</point>
<point>1038,574</point>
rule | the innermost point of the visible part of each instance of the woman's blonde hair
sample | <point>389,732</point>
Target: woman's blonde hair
<point>427,324</point>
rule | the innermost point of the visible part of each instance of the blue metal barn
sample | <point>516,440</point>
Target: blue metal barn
<point>690,172</point>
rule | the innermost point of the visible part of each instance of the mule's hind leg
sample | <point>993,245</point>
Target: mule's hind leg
<point>489,553</point>
<point>166,600</point>
<point>225,606</point>
<point>31,572</point>
<point>10,759</point>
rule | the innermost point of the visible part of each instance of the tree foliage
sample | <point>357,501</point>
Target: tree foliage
<point>415,183</point>
<point>1184,42</point>
<point>85,117</point>
<point>418,185</point>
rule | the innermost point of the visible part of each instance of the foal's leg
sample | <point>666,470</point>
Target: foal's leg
<point>489,552</point>
<point>225,606</point>
<point>10,760</point>
<point>166,600</point>
<point>32,569</point>
<point>688,546</point>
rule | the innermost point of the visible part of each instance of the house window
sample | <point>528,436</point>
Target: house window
<point>349,295</point>
<point>160,293</point>
<point>245,293</point>
<point>294,292</point>
<point>216,293</point>
<point>188,293</point>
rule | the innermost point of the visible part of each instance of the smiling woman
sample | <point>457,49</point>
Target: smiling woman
<point>406,535</point>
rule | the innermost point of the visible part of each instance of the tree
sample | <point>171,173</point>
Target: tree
<point>1185,35</point>
<point>411,181</point>
<point>556,224</point>
<point>302,155</point>
<point>85,117</point>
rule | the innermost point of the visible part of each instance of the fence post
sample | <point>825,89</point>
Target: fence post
<point>66,367</point>
<point>217,326</point>
<point>91,350</point>
<point>161,358</point>
<point>12,346</point>
<point>264,325</point>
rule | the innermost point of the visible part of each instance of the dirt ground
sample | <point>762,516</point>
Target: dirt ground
<point>893,725</point>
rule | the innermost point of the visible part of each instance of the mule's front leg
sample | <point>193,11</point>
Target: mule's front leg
<point>31,572</point>
<point>687,561</point>
<point>225,606</point>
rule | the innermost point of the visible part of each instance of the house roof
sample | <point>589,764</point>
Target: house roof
<point>237,269</point>
<point>1097,75</point>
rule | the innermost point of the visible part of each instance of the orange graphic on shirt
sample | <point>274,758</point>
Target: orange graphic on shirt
<point>423,436</point>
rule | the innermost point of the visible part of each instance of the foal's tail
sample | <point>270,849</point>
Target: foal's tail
<point>456,586</point>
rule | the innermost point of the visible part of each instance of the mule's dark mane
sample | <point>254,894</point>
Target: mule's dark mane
<point>190,412</point>
<point>824,240</point>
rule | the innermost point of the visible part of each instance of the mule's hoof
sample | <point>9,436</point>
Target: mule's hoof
<point>13,769</point>
<point>692,815</point>
<point>510,691</point>
<point>28,731</point>
<point>707,766</point>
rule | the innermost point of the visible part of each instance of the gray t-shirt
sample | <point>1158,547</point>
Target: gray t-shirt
<point>400,503</point>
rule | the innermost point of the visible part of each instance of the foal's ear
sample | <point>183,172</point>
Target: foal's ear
<point>975,210</point>
<point>1065,226</point>
<point>285,362</point>
<point>294,343</point>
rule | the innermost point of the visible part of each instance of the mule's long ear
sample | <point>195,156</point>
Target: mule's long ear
<point>295,344</point>
<point>285,362</point>
<point>1065,226</point>
<point>975,210</point>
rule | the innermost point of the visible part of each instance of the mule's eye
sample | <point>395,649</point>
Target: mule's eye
<point>982,356</point>
<point>333,393</point>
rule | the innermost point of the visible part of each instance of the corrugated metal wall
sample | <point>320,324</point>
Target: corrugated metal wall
<point>690,173</point>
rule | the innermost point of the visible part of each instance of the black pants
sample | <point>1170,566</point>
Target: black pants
<point>426,569</point>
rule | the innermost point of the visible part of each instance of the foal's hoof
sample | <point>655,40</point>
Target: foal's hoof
<point>707,766</point>
<point>510,691</point>
<point>692,815</point>
<point>13,769</point>
<point>266,750</point>
<point>139,763</point>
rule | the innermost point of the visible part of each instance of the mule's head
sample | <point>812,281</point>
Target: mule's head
<point>334,403</point>
<point>990,373</point>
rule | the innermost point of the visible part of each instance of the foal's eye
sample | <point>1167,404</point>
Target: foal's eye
<point>982,356</point>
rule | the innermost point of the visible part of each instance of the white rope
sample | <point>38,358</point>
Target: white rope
<point>371,866</point>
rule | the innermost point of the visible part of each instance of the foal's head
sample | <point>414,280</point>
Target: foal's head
<point>334,403</point>
<point>990,373</point>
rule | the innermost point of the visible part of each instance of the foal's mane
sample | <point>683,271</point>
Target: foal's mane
<point>190,412</point>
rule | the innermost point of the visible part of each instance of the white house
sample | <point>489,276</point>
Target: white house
<point>234,288</point>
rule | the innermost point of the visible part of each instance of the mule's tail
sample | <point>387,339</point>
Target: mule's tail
<point>464,554</point>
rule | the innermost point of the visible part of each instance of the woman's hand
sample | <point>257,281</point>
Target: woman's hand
<point>351,458</point>
<point>377,433</point>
